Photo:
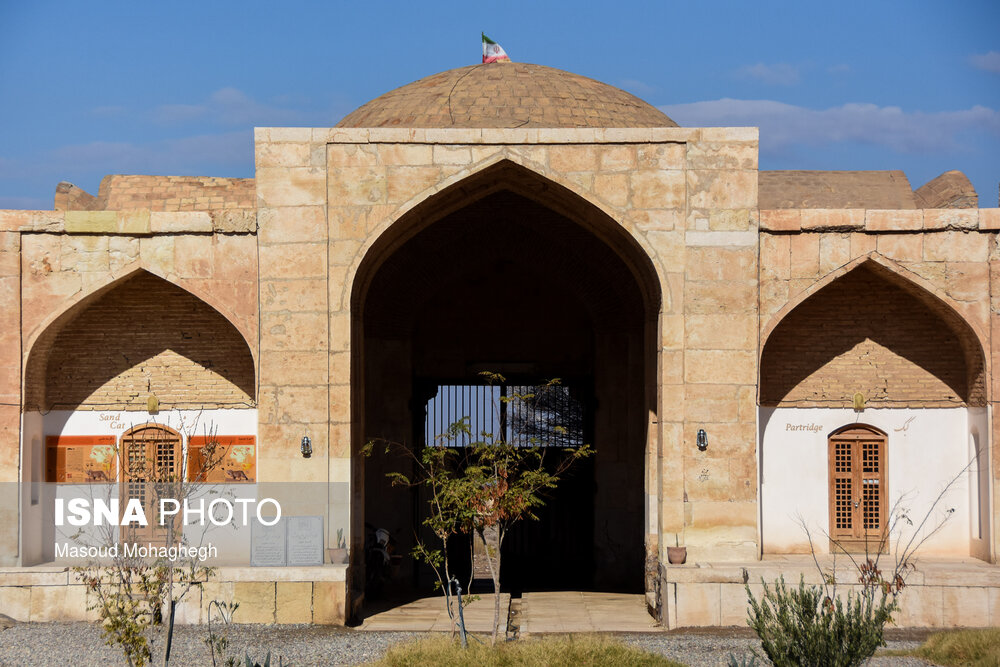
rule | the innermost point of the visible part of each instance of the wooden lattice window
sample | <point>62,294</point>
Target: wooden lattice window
<point>858,487</point>
<point>151,457</point>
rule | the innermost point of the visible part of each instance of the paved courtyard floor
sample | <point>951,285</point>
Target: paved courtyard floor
<point>534,613</point>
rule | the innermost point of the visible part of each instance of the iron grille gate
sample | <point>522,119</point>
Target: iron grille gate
<point>521,415</point>
<point>554,417</point>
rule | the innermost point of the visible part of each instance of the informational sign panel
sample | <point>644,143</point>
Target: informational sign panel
<point>222,459</point>
<point>293,541</point>
<point>267,544</point>
<point>305,540</point>
<point>80,459</point>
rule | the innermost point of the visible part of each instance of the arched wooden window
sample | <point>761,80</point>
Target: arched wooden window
<point>151,465</point>
<point>858,489</point>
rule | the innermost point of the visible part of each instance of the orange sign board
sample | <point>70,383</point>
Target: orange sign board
<point>80,459</point>
<point>222,459</point>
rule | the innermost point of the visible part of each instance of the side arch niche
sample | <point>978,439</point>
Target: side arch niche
<point>140,352</point>
<point>871,353</point>
<point>509,272</point>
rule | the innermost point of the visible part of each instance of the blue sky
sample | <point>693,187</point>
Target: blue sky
<point>88,89</point>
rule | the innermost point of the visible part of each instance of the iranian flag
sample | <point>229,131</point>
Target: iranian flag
<point>493,52</point>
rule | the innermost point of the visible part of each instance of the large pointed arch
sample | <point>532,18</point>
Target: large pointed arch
<point>967,336</point>
<point>508,171</point>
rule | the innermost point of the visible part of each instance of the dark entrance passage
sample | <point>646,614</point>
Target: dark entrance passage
<point>555,551</point>
<point>508,285</point>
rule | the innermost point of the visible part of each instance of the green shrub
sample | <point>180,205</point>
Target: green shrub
<point>804,626</point>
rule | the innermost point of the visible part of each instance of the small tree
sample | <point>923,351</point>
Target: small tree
<point>488,485</point>
<point>134,596</point>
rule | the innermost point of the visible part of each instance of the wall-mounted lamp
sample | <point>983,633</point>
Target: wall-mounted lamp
<point>859,402</point>
<point>152,404</point>
<point>702,440</point>
<point>307,447</point>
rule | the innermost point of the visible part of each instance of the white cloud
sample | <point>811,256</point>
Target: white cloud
<point>782,125</point>
<point>988,61</point>
<point>778,74</point>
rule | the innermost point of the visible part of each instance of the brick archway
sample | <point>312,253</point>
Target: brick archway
<point>916,334</point>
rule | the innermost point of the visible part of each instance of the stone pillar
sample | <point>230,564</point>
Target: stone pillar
<point>10,394</point>
<point>294,320</point>
<point>721,346</point>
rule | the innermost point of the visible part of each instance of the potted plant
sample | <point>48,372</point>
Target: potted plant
<point>338,554</point>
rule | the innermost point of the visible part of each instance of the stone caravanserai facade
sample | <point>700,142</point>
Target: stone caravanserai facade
<point>752,354</point>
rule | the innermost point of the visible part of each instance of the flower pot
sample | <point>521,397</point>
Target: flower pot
<point>337,556</point>
<point>677,555</point>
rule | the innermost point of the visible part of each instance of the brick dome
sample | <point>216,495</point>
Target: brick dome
<point>506,95</point>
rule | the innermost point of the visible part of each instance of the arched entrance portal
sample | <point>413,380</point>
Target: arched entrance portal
<point>509,273</point>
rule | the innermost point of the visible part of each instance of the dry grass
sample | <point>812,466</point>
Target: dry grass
<point>977,648</point>
<point>568,651</point>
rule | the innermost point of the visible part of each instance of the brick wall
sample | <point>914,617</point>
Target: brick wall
<point>144,336</point>
<point>176,193</point>
<point>862,333</point>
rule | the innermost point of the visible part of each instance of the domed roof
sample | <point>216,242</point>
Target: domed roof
<point>506,95</point>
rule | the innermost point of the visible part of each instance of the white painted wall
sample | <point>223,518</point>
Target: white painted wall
<point>927,448</point>
<point>38,531</point>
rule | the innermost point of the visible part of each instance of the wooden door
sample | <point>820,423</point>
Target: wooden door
<point>858,486</point>
<point>151,468</point>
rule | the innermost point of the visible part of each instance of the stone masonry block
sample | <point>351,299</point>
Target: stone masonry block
<point>256,599</point>
<point>175,222</point>
<point>657,189</point>
<point>781,220</point>
<point>328,602</point>
<point>834,251</point>
<point>989,219</point>
<point>404,183</point>
<point>956,247</point>
<point>774,256</point>
<point>721,188</point>
<point>902,247</point>
<point>91,222</point>
<point>951,218</point>
<point>352,186</point>
<point>293,602</point>
<point>833,219</point>
<point>285,154</point>
<point>662,156</point>
<point>877,220</point>
<point>804,256</point>
<point>291,186</point>
<point>720,366</point>
<point>134,221</point>
<point>717,155</point>
<point>573,158</point>
<point>292,224</point>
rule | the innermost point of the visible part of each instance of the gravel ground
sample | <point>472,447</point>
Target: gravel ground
<point>80,645</point>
